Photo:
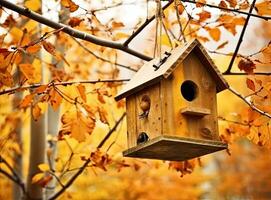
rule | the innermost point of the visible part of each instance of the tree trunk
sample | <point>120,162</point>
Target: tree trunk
<point>38,131</point>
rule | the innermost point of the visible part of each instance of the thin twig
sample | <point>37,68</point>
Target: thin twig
<point>101,58</point>
<point>250,104</point>
<point>240,39</point>
<point>14,89</point>
<point>144,25</point>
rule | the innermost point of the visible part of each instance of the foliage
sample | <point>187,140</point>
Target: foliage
<point>54,69</point>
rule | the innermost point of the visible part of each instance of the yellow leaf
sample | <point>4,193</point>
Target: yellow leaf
<point>117,24</point>
<point>37,177</point>
<point>55,99</point>
<point>33,49</point>
<point>165,40</point>
<point>264,8</point>
<point>36,112</point>
<point>82,91</point>
<point>121,35</point>
<point>44,167</point>
<point>214,33</point>
<point>34,5</point>
<point>69,4</point>
<point>27,70</point>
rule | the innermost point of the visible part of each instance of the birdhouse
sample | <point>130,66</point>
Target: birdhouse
<point>172,107</point>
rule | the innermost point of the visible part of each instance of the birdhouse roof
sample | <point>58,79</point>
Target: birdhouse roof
<point>148,75</point>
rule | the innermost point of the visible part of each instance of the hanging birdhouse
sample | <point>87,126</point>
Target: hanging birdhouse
<point>172,107</point>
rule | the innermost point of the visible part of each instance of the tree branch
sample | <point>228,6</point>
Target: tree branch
<point>81,169</point>
<point>251,105</point>
<point>227,9</point>
<point>240,39</point>
<point>144,25</point>
<point>14,89</point>
<point>71,31</point>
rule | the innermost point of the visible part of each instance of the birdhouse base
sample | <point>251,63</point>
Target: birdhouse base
<point>174,148</point>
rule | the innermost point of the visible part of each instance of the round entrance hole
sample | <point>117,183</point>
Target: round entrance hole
<point>189,90</point>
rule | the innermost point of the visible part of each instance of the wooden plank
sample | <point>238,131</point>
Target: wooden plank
<point>174,148</point>
<point>168,125</point>
<point>152,124</point>
<point>195,111</point>
<point>131,120</point>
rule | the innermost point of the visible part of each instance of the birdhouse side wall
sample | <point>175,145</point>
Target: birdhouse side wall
<point>150,124</point>
<point>131,116</point>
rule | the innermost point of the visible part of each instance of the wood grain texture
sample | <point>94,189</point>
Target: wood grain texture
<point>195,111</point>
<point>152,124</point>
<point>131,120</point>
<point>174,148</point>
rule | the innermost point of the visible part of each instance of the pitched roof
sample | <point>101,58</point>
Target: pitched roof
<point>147,75</point>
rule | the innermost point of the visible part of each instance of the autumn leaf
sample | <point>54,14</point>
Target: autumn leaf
<point>246,65</point>
<point>44,167</point>
<point>75,21</point>
<point>36,112</point>
<point>33,48</point>
<point>33,5</point>
<point>214,33</point>
<point>28,70</point>
<point>55,98</point>
<point>41,179</point>
<point>82,91</point>
<point>6,79</point>
<point>222,45</point>
<point>232,3</point>
<point>204,15</point>
<point>70,5</point>
<point>41,89</point>
<point>250,84</point>
<point>37,177</point>
<point>103,115</point>
<point>49,47</point>
<point>223,4</point>
<point>180,9</point>
<point>77,125</point>
<point>117,24</point>
<point>100,160</point>
<point>230,22</point>
<point>27,100</point>
<point>263,8</point>
<point>200,3</point>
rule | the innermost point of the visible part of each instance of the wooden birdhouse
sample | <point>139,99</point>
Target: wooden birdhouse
<point>172,107</point>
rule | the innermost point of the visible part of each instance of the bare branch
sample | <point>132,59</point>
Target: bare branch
<point>14,89</point>
<point>71,31</point>
<point>250,104</point>
<point>228,9</point>
<point>83,167</point>
<point>144,25</point>
<point>101,58</point>
<point>240,39</point>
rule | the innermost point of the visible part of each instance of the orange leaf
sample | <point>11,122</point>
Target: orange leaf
<point>250,84</point>
<point>222,45</point>
<point>49,47</point>
<point>117,24</point>
<point>27,70</point>
<point>103,115</point>
<point>222,4</point>
<point>41,89</point>
<point>264,8</point>
<point>204,15</point>
<point>27,100</point>
<point>77,125</point>
<point>43,182</point>
<point>36,112</point>
<point>75,21</point>
<point>200,3</point>
<point>180,9</point>
<point>69,4</point>
<point>54,99</point>
<point>247,66</point>
<point>232,3</point>
<point>33,49</point>
<point>214,33</point>
<point>82,91</point>
<point>6,79</point>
